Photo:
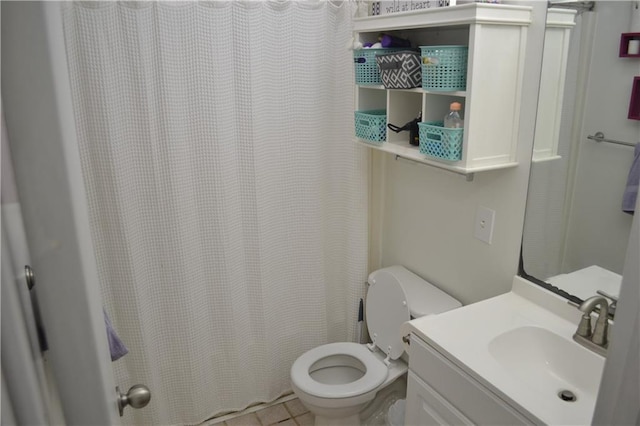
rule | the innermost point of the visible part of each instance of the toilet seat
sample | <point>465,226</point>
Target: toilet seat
<point>376,372</point>
<point>387,308</point>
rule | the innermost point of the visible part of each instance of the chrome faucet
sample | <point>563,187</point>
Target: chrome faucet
<point>597,340</point>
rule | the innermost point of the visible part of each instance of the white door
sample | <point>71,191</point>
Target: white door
<point>37,105</point>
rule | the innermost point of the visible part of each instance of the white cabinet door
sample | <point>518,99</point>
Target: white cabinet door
<point>474,399</point>
<point>425,407</point>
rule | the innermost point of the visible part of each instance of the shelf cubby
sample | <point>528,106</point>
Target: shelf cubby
<point>625,38</point>
<point>402,107</point>
<point>370,97</point>
<point>434,108</point>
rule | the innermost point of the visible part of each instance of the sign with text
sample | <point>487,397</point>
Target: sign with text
<point>394,6</point>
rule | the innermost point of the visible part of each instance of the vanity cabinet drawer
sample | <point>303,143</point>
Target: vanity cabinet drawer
<point>426,407</point>
<point>471,399</point>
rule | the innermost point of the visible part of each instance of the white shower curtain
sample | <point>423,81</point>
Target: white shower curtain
<point>228,201</point>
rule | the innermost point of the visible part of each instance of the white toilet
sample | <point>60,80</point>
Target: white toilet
<point>336,381</point>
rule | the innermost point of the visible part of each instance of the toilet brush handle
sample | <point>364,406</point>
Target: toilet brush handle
<point>360,319</point>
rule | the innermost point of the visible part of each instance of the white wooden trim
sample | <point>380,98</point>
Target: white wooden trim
<point>412,153</point>
<point>476,13</point>
<point>561,18</point>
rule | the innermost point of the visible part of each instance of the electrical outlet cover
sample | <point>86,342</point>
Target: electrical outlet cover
<point>485,219</point>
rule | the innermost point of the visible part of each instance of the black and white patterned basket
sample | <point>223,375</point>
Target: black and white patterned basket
<point>400,70</point>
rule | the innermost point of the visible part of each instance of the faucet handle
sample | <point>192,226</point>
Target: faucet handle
<point>600,331</point>
<point>584,327</point>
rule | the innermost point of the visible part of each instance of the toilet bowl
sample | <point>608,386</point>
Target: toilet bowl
<point>337,380</point>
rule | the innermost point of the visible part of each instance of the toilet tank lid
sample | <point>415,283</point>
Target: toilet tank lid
<point>423,297</point>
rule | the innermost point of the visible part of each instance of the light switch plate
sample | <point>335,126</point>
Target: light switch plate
<point>485,219</point>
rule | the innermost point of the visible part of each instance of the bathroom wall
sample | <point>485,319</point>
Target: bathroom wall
<point>599,230</point>
<point>423,218</point>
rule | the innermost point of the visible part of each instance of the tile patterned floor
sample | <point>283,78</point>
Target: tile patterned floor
<point>290,413</point>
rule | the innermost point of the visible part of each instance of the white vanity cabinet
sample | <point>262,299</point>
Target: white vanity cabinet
<point>441,393</point>
<point>496,38</point>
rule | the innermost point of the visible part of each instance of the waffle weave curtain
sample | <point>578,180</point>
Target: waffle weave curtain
<point>227,199</point>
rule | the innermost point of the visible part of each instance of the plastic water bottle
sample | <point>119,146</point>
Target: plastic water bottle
<point>453,120</point>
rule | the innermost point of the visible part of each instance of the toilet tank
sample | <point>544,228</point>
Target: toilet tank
<point>423,298</point>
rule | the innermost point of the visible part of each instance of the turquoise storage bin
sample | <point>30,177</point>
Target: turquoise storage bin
<point>367,71</point>
<point>444,68</point>
<point>439,142</point>
<point>371,125</point>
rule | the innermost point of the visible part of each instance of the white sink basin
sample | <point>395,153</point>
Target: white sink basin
<point>548,362</point>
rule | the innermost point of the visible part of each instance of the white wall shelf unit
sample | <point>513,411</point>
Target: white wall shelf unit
<point>496,36</point>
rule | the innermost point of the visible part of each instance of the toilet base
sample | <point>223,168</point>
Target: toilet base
<point>375,412</point>
<point>353,420</point>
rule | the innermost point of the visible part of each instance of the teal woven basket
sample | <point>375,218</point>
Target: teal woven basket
<point>367,70</point>
<point>444,68</point>
<point>371,125</point>
<point>439,142</point>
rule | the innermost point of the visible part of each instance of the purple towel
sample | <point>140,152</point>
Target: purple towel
<point>631,190</point>
<point>116,347</point>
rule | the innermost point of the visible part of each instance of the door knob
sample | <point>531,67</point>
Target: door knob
<point>138,396</point>
<point>29,276</point>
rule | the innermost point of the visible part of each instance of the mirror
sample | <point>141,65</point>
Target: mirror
<point>576,233</point>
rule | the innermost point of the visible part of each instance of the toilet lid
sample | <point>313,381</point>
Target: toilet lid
<point>376,372</point>
<point>387,310</point>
